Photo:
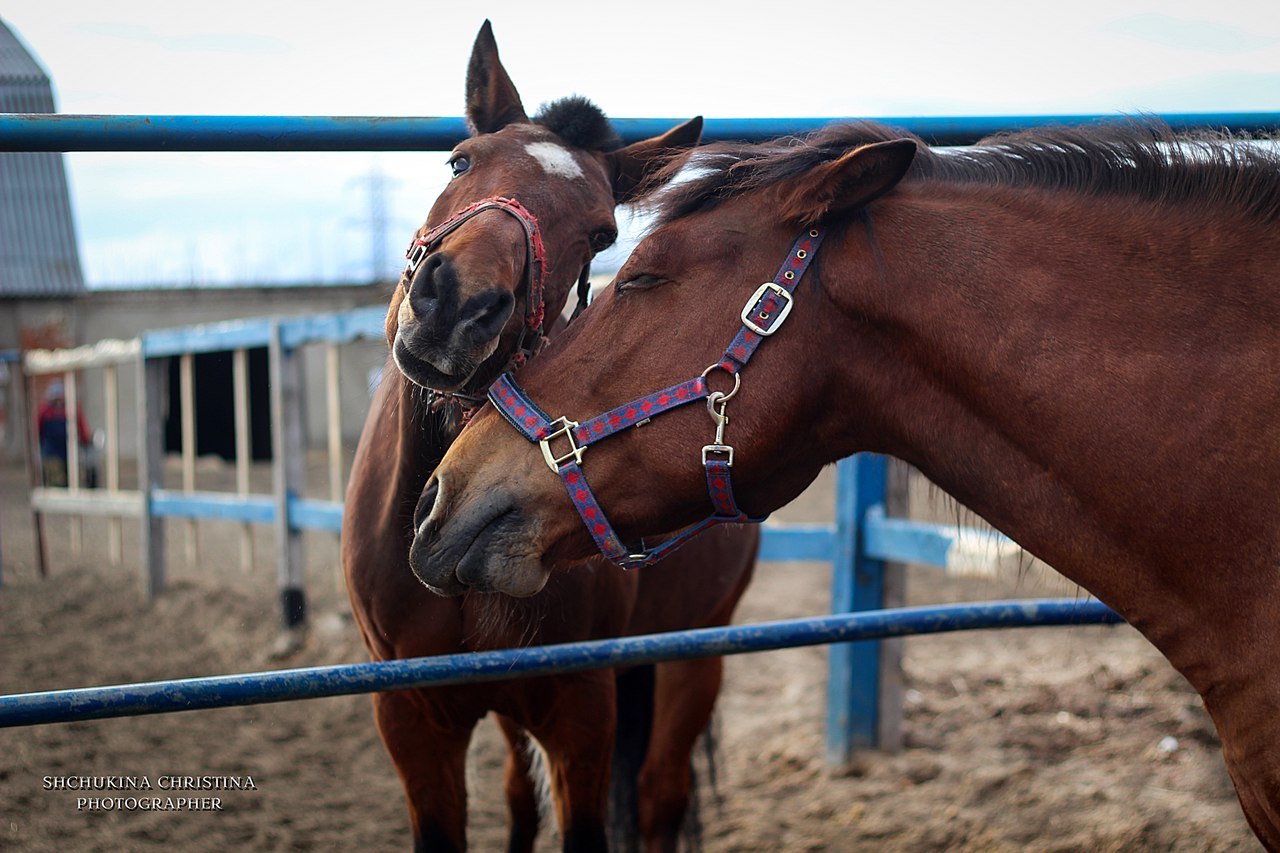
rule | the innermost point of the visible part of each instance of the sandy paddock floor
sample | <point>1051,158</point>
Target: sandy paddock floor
<point>1047,739</point>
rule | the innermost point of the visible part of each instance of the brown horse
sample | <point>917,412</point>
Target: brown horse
<point>1072,331</point>
<point>454,323</point>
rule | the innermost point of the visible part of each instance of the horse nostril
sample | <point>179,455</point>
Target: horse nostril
<point>486,314</point>
<point>426,503</point>
<point>427,284</point>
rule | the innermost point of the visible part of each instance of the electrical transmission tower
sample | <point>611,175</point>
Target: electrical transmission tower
<point>377,185</point>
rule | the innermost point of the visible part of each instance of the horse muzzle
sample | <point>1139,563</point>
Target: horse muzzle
<point>436,371</point>
<point>487,546</point>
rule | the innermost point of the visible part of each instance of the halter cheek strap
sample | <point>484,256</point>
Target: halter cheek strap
<point>563,442</point>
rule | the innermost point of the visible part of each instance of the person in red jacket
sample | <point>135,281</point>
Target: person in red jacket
<point>51,422</point>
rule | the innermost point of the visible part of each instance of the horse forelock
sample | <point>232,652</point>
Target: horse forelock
<point>1142,158</point>
<point>579,123</point>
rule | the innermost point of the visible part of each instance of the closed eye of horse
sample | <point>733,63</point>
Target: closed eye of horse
<point>500,254</point>
<point>1054,327</point>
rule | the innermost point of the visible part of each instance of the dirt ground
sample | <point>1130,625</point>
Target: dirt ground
<point>1048,739</point>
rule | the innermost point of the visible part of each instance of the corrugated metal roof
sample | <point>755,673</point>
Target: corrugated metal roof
<point>16,62</point>
<point>38,251</point>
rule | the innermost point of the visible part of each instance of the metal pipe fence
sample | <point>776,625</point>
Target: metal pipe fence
<point>162,697</point>
<point>36,132</point>
<point>866,546</point>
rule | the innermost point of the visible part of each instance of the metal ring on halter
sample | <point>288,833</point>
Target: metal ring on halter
<point>737,383</point>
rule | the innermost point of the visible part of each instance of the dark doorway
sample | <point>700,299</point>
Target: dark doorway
<point>215,406</point>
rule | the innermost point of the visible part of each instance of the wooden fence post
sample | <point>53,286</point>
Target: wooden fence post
<point>111,400</point>
<point>893,593</point>
<point>244,447</point>
<point>71,404</point>
<point>35,473</point>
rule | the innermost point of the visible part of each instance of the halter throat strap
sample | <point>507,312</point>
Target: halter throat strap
<point>563,442</point>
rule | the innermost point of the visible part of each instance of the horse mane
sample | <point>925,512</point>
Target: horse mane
<point>578,122</point>
<point>1140,158</point>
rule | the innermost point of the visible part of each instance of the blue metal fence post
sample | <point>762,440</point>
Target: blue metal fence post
<point>854,671</point>
<point>288,467</point>
<point>152,402</point>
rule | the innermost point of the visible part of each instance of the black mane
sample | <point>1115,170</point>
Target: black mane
<point>578,122</point>
<point>1142,158</point>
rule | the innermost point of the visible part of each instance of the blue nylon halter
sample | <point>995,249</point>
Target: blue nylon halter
<point>762,315</point>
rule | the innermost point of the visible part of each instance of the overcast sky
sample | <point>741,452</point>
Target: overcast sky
<point>209,217</point>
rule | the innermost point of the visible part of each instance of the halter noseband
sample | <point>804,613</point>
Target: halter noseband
<point>424,245</point>
<point>535,268</point>
<point>762,315</point>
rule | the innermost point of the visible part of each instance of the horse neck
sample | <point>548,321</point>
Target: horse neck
<point>414,438</point>
<point>1062,365</point>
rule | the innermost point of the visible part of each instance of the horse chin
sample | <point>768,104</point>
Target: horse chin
<point>518,580</point>
<point>421,372</point>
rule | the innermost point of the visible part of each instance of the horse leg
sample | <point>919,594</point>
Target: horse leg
<point>1258,787</point>
<point>520,786</point>
<point>683,700</point>
<point>431,761</point>
<point>577,738</point>
<point>1248,720</point>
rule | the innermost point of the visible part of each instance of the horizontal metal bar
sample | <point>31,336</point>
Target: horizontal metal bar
<point>254,509</point>
<point>102,354</point>
<point>899,540</point>
<point>778,542</point>
<point>956,548</point>
<point>36,132</point>
<point>339,328</point>
<point>209,337</point>
<point>158,697</point>
<point>87,502</point>
<point>219,505</point>
<point>315,515</point>
<point>45,132</point>
<point>785,542</point>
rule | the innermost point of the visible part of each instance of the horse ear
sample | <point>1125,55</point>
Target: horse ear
<point>855,180</point>
<point>492,99</point>
<point>631,165</point>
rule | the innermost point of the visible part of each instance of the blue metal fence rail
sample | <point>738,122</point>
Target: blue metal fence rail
<point>43,132</point>
<point>159,697</point>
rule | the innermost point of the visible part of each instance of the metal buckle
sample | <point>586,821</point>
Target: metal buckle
<point>717,448</point>
<point>760,293</point>
<point>416,253</point>
<point>575,452</point>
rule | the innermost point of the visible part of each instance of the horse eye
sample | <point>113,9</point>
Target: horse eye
<point>603,239</point>
<point>641,282</point>
<point>460,164</point>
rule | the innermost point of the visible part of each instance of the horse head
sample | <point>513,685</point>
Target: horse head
<point>530,204</point>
